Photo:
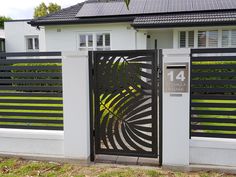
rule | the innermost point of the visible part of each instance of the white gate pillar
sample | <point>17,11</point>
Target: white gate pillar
<point>76,105</point>
<point>176,98</point>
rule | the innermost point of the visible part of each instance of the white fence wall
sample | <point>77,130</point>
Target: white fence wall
<point>213,151</point>
<point>74,142</point>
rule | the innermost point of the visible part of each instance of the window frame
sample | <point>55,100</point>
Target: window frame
<point>186,38</point>
<point>94,46</point>
<point>33,37</point>
<point>207,29</point>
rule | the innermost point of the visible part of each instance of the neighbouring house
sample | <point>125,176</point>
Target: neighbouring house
<point>22,37</point>
<point>148,24</point>
<point>2,40</point>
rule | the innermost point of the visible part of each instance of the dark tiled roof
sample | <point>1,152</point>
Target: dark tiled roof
<point>67,14</point>
<point>162,12</point>
<point>196,18</point>
<point>116,8</point>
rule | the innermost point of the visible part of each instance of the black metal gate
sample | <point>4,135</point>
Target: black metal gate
<point>124,103</point>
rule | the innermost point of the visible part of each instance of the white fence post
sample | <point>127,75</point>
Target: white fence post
<point>175,114</point>
<point>76,105</point>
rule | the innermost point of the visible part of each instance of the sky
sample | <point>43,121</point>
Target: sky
<point>24,9</point>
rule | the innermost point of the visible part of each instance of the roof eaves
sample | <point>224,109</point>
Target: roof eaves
<point>82,21</point>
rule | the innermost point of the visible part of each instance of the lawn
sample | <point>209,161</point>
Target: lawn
<point>24,168</point>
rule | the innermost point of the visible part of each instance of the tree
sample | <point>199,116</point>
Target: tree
<point>3,19</point>
<point>127,2</point>
<point>43,9</point>
<point>53,7</point>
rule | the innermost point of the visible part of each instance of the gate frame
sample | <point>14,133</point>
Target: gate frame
<point>158,111</point>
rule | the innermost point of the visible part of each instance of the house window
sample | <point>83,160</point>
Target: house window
<point>208,38</point>
<point>32,43</point>
<point>97,41</point>
<point>186,39</point>
<point>229,38</point>
<point>212,38</point>
<point>202,38</point>
<point>103,42</point>
<point>86,42</point>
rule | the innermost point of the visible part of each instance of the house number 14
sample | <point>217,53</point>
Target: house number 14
<point>179,76</point>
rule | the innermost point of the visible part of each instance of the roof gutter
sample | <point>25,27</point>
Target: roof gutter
<point>82,21</point>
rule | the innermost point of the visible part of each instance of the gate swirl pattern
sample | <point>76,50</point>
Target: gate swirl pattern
<point>126,103</point>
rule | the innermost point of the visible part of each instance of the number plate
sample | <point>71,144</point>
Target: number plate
<point>176,77</point>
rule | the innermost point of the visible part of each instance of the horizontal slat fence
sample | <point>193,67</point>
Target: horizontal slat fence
<point>31,91</point>
<point>213,93</point>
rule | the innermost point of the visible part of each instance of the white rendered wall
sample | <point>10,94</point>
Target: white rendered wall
<point>65,38</point>
<point>175,117</point>
<point>164,39</point>
<point>31,143</point>
<point>213,151</point>
<point>15,32</point>
<point>76,106</point>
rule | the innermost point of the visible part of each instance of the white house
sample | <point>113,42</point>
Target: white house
<point>22,37</point>
<point>104,25</point>
<point>2,40</point>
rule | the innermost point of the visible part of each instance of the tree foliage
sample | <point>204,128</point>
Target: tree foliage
<point>3,19</point>
<point>127,2</point>
<point>43,9</point>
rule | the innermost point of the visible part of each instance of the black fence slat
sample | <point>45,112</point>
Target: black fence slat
<point>30,61</point>
<point>215,66</point>
<point>30,54</point>
<point>20,68</point>
<point>213,112</point>
<point>213,82</point>
<point>213,120</point>
<point>31,114</point>
<point>214,58</point>
<point>32,127</point>
<point>213,74</point>
<point>9,120</point>
<point>203,96</point>
<point>213,135</point>
<point>35,101</point>
<point>210,127</point>
<point>32,88</point>
<point>31,74</point>
<point>32,94</point>
<point>30,81</point>
<point>213,90</point>
<point>51,108</point>
<point>213,105</point>
<point>213,51</point>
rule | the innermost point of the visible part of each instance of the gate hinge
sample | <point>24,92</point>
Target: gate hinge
<point>93,132</point>
<point>93,72</point>
<point>159,71</point>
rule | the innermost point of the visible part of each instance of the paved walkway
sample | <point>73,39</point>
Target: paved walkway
<point>127,160</point>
